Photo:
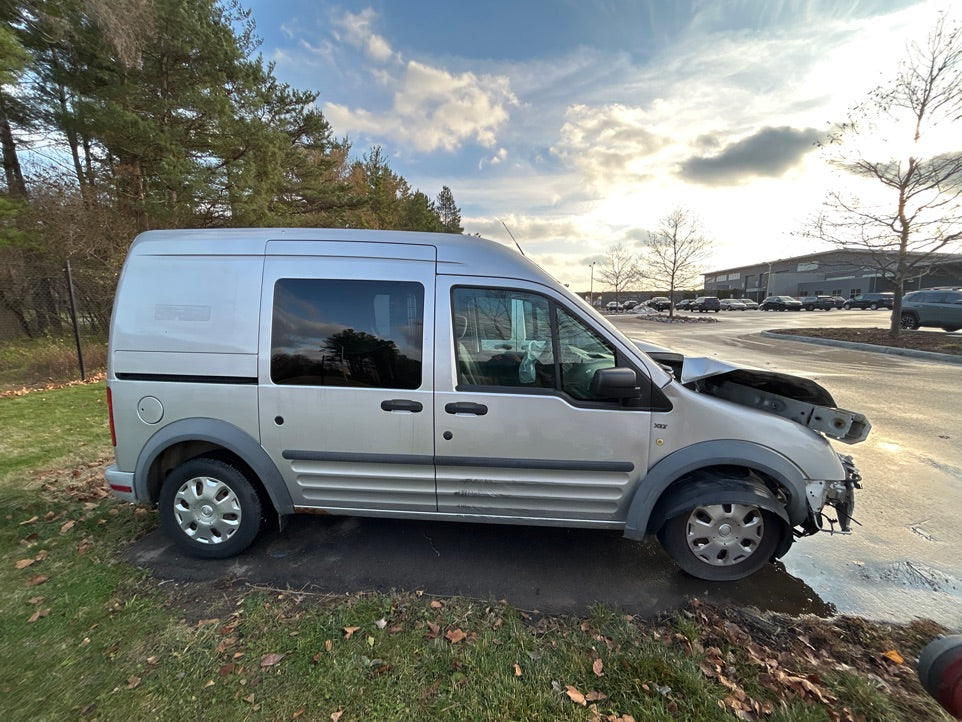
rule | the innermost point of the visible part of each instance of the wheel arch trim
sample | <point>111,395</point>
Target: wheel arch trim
<point>704,456</point>
<point>216,433</point>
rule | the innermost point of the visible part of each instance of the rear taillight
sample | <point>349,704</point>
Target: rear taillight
<point>110,415</point>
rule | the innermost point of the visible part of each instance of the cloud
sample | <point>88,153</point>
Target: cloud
<point>434,109</point>
<point>607,142</point>
<point>357,31</point>
<point>768,152</point>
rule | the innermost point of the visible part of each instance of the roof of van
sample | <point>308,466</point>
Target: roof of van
<point>455,254</point>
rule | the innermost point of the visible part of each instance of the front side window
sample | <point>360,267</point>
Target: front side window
<point>506,338</point>
<point>333,332</point>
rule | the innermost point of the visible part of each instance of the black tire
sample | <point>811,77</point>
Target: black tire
<point>722,542</point>
<point>846,307</point>
<point>951,329</point>
<point>209,509</point>
<point>909,321</point>
<point>873,307</point>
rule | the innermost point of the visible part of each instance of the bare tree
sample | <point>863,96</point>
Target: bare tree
<point>901,148</point>
<point>619,269</point>
<point>675,252</point>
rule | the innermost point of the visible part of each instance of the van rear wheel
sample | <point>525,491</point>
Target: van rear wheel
<point>722,542</point>
<point>209,509</point>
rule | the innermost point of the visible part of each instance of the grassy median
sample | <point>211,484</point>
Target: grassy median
<point>87,636</point>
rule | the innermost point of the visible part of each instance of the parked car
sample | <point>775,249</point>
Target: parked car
<point>629,304</point>
<point>243,362</point>
<point>613,307</point>
<point>839,301</point>
<point>731,304</point>
<point>704,304</point>
<point>750,303</point>
<point>941,308</point>
<point>780,303</point>
<point>819,303</point>
<point>683,305</point>
<point>871,301</point>
<point>659,303</point>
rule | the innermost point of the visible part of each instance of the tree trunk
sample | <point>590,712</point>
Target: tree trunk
<point>11,163</point>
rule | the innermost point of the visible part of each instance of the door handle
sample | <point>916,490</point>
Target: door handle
<point>401,405</point>
<point>466,407</point>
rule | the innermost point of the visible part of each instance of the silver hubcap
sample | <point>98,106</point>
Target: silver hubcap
<point>724,534</point>
<point>207,510</point>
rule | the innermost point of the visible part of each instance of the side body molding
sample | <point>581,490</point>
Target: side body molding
<point>216,433</point>
<point>707,454</point>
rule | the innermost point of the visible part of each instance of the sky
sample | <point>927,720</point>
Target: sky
<point>581,124</point>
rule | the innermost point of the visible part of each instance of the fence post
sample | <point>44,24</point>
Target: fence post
<point>73,317</point>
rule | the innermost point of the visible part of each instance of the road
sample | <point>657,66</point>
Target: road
<point>903,561</point>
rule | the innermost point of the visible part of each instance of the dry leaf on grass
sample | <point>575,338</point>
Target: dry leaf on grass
<point>269,660</point>
<point>575,696</point>
<point>349,632</point>
<point>598,668</point>
<point>517,670</point>
<point>455,635</point>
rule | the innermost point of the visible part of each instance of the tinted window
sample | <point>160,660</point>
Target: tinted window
<point>347,333</point>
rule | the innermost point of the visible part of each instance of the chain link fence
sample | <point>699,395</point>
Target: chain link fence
<point>54,319</point>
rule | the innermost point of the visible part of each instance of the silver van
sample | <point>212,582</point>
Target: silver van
<point>262,372</point>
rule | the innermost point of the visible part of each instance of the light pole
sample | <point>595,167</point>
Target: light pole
<point>591,291</point>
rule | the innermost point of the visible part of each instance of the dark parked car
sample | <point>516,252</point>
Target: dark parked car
<point>780,303</point>
<point>941,308</point>
<point>839,301</point>
<point>871,301</point>
<point>820,303</point>
<point>659,303</point>
<point>683,304</point>
<point>703,304</point>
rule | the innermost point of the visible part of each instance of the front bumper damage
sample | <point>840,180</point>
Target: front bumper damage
<point>840,495</point>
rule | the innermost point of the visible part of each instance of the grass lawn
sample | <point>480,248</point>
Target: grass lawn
<point>86,636</point>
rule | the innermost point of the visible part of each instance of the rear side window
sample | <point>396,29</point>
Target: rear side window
<point>329,332</point>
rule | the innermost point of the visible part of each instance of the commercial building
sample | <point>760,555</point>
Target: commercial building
<point>840,272</point>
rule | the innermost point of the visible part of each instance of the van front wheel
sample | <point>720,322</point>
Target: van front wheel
<point>722,542</point>
<point>209,509</point>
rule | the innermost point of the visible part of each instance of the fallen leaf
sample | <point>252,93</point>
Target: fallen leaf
<point>298,713</point>
<point>349,631</point>
<point>31,520</point>
<point>153,659</point>
<point>35,600</point>
<point>381,623</point>
<point>328,645</point>
<point>595,696</point>
<point>37,580</point>
<point>249,698</point>
<point>894,656</point>
<point>39,614</point>
<point>269,660</point>
<point>335,716</point>
<point>67,526</point>
<point>435,604</point>
<point>24,563</point>
<point>225,644</point>
<point>133,682</point>
<point>210,683</point>
<point>455,635</point>
<point>517,669</point>
<point>433,630</point>
<point>575,696</point>
<point>226,669</point>
<point>598,668</point>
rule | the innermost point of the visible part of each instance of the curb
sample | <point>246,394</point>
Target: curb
<point>872,348</point>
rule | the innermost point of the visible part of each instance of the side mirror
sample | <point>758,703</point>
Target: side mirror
<point>617,383</point>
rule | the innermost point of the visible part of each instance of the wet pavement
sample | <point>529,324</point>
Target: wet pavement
<point>902,562</point>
